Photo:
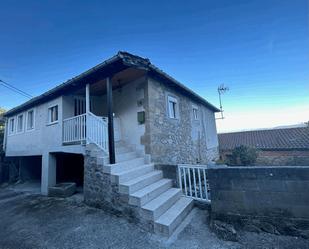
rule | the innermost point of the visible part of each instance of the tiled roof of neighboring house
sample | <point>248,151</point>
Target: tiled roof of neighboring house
<point>121,60</point>
<point>274,139</point>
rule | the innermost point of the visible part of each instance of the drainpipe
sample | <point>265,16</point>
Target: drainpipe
<point>5,134</point>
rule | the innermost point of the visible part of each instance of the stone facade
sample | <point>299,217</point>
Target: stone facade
<point>182,139</point>
<point>269,199</point>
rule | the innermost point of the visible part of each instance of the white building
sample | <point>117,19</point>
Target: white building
<point>124,104</point>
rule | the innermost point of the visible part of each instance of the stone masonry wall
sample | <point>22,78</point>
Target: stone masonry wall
<point>101,191</point>
<point>181,140</point>
<point>271,199</point>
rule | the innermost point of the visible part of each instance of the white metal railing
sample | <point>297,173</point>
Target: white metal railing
<point>97,131</point>
<point>74,129</point>
<point>193,181</point>
<point>86,128</point>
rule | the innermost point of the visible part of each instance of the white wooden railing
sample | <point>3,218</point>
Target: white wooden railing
<point>87,128</point>
<point>193,181</point>
<point>97,131</point>
<point>74,129</point>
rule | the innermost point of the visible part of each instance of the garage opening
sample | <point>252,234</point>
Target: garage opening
<point>28,172</point>
<point>70,168</point>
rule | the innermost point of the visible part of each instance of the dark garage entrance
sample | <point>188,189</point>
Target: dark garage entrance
<point>70,168</point>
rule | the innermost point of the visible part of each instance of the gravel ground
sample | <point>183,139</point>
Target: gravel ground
<point>33,221</point>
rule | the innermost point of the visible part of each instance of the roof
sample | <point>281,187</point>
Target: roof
<point>118,62</point>
<point>273,139</point>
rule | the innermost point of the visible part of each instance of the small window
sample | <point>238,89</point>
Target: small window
<point>20,123</point>
<point>172,107</point>
<point>11,126</point>
<point>53,114</point>
<point>30,120</point>
<point>195,112</point>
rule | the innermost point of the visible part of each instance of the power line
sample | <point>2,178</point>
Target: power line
<point>15,89</point>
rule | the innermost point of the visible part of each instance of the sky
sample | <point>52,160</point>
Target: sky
<point>258,48</point>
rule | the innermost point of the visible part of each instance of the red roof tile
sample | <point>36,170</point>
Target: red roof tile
<point>274,139</point>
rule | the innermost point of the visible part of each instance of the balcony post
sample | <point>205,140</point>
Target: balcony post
<point>111,141</point>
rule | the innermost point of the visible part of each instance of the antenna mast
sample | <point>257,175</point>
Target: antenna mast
<point>221,90</point>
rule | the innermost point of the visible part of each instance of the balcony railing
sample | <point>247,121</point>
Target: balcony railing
<point>87,128</point>
<point>74,129</point>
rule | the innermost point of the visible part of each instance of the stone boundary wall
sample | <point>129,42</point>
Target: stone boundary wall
<point>270,199</point>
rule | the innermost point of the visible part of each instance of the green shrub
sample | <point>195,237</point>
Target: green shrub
<point>242,156</point>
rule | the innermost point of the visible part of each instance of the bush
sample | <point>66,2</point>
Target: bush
<point>243,156</point>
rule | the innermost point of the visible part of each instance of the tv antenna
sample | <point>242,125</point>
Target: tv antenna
<point>221,90</point>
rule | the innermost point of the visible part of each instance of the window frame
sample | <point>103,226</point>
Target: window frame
<point>11,132</point>
<point>49,113</point>
<point>17,123</point>
<point>172,99</point>
<point>27,119</point>
<point>195,112</point>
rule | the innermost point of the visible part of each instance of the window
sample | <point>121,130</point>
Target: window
<point>20,123</point>
<point>11,126</point>
<point>30,120</point>
<point>53,114</point>
<point>195,112</point>
<point>172,107</point>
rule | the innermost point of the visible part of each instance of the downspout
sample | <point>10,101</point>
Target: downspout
<point>5,134</point>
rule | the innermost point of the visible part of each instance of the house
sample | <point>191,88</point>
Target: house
<point>107,129</point>
<point>276,147</point>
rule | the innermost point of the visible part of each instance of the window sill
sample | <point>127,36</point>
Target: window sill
<point>173,118</point>
<point>53,123</point>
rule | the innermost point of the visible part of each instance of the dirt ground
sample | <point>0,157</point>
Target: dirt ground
<point>33,221</point>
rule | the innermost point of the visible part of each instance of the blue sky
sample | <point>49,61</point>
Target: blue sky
<point>259,48</point>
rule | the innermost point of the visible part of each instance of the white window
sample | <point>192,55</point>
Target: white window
<point>172,107</point>
<point>11,125</point>
<point>195,112</point>
<point>30,120</point>
<point>20,123</point>
<point>53,114</point>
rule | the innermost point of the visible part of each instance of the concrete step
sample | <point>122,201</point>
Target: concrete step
<point>122,149</point>
<point>120,157</point>
<point>140,182</point>
<point>168,222</point>
<point>124,166</point>
<point>128,175</point>
<point>155,208</point>
<point>148,193</point>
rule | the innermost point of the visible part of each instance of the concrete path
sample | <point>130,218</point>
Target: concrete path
<point>32,221</point>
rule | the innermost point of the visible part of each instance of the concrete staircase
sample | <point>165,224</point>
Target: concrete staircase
<point>154,196</point>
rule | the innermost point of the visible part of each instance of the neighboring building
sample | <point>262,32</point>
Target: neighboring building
<point>124,105</point>
<point>288,146</point>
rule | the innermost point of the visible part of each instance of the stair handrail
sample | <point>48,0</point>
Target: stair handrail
<point>97,131</point>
